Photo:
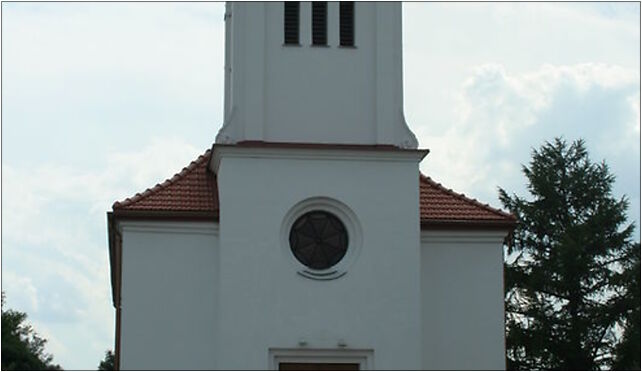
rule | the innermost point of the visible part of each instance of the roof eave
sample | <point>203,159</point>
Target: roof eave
<point>132,214</point>
<point>452,224</point>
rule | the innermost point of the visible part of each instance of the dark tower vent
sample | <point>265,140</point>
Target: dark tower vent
<point>319,23</point>
<point>291,22</point>
<point>346,23</point>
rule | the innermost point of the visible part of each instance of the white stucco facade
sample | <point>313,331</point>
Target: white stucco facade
<point>462,296</point>
<point>168,299</point>
<point>193,292</point>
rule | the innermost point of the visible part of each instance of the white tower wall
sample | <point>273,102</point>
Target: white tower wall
<point>267,306</point>
<point>318,94</point>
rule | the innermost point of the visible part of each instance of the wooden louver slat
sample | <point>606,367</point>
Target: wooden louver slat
<point>291,22</point>
<point>346,23</point>
<point>319,23</point>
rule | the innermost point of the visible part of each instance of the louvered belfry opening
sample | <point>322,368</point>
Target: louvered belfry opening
<point>319,23</point>
<point>346,23</point>
<point>291,22</point>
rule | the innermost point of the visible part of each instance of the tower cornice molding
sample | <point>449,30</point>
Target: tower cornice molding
<point>314,151</point>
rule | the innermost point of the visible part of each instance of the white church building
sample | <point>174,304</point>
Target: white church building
<point>306,237</point>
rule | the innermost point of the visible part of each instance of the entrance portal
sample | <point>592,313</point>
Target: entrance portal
<point>318,366</point>
<point>304,359</point>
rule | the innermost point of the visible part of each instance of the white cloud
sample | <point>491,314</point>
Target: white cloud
<point>634,101</point>
<point>504,115</point>
<point>22,290</point>
<point>28,193</point>
<point>152,162</point>
<point>55,259</point>
<point>445,42</point>
<point>138,34</point>
<point>79,78</point>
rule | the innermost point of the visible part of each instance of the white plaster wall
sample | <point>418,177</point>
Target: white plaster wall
<point>169,276</point>
<point>319,94</point>
<point>265,304</point>
<point>462,300</point>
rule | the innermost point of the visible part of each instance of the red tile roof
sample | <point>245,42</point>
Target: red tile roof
<point>440,206</point>
<point>194,193</point>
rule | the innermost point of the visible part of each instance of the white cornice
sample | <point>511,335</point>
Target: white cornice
<point>463,236</point>
<point>169,227</point>
<point>314,153</point>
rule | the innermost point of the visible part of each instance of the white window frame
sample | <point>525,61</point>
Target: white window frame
<point>364,358</point>
<point>344,214</point>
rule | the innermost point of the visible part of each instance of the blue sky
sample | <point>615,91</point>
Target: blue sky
<point>102,100</point>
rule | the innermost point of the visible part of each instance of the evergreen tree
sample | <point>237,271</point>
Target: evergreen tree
<point>22,348</point>
<point>627,351</point>
<point>562,303</point>
<point>107,364</point>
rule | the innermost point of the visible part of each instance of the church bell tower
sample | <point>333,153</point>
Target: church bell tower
<point>314,72</point>
<point>317,174</point>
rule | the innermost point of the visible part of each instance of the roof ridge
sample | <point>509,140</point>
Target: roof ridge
<point>159,186</point>
<point>465,198</point>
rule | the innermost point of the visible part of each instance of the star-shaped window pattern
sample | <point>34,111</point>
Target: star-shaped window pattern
<point>319,240</point>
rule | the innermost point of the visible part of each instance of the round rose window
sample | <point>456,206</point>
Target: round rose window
<point>319,240</point>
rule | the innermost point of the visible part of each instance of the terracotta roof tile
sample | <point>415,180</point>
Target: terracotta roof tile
<point>194,191</point>
<point>440,205</point>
